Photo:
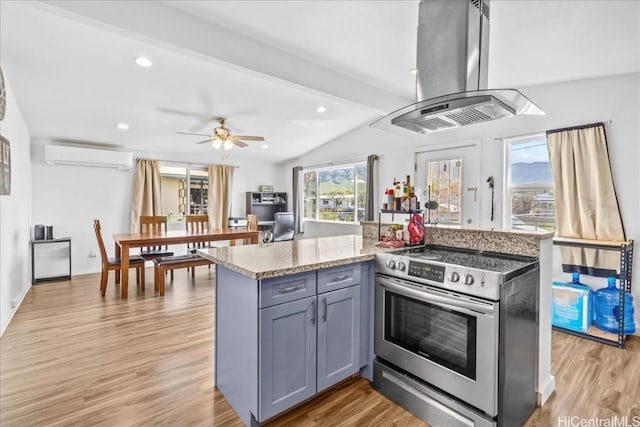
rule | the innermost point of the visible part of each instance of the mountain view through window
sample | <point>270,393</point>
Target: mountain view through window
<point>530,184</point>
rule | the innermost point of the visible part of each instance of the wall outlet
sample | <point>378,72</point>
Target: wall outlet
<point>92,253</point>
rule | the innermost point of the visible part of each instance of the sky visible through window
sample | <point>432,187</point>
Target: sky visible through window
<point>531,151</point>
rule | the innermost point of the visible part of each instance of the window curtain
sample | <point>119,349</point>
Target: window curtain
<point>146,197</point>
<point>586,202</point>
<point>372,176</point>
<point>297,200</point>
<point>219,195</point>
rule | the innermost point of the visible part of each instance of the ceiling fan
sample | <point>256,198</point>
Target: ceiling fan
<point>222,137</point>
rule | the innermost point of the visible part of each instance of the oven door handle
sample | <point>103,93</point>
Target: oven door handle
<point>442,301</point>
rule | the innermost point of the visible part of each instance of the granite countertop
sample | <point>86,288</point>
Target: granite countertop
<point>539,234</point>
<point>275,259</point>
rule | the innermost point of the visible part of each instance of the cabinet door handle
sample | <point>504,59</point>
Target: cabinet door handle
<point>290,289</point>
<point>324,309</point>
<point>313,312</point>
<point>340,278</point>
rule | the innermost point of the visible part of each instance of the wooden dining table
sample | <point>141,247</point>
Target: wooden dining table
<point>125,241</point>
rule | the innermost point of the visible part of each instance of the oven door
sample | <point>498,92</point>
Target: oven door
<point>447,339</point>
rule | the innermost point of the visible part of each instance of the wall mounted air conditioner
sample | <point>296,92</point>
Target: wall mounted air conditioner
<point>80,156</point>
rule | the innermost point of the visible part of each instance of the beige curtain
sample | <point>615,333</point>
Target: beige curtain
<point>372,175</point>
<point>146,198</point>
<point>298,208</point>
<point>219,196</point>
<point>586,203</point>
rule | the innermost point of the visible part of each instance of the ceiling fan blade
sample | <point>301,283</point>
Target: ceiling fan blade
<point>206,140</point>
<point>247,137</point>
<point>197,134</point>
<point>186,113</point>
<point>239,143</point>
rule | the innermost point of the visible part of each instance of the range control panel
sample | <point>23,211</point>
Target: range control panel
<point>467,280</point>
<point>426,271</point>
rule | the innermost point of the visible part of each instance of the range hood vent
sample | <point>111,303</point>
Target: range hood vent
<point>453,114</point>
<point>451,78</point>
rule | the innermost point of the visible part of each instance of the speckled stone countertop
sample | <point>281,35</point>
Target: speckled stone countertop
<point>494,240</point>
<point>267,260</point>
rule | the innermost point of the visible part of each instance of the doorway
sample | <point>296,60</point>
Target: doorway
<point>448,179</point>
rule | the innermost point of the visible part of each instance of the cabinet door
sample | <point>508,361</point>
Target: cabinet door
<point>287,361</point>
<point>338,335</point>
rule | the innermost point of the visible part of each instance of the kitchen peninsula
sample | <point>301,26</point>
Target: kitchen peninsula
<point>293,318</point>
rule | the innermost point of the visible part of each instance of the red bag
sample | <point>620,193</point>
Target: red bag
<point>416,229</point>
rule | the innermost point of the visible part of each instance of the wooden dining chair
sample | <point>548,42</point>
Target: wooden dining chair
<point>108,264</point>
<point>196,224</point>
<point>150,225</point>
<point>252,225</point>
<point>154,224</point>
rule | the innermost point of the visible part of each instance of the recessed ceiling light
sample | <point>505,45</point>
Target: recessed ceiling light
<point>413,71</point>
<point>321,109</point>
<point>264,146</point>
<point>143,61</point>
<point>122,126</point>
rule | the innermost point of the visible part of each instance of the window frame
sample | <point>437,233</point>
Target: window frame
<point>507,194</point>
<point>319,169</point>
<point>189,168</point>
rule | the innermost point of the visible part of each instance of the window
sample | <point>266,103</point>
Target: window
<point>529,189</point>
<point>447,176</point>
<point>444,178</point>
<point>184,191</point>
<point>335,193</point>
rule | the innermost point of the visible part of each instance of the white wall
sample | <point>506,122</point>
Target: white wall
<point>615,98</point>
<point>71,197</point>
<point>325,229</point>
<point>15,214</point>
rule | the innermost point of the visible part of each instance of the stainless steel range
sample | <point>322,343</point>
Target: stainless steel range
<point>456,335</point>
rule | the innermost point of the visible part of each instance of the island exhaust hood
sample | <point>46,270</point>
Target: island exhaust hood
<point>451,78</point>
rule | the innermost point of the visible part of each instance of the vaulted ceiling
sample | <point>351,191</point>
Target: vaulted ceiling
<point>267,65</point>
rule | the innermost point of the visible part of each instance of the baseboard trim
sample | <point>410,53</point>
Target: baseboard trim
<point>15,309</point>
<point>547,390</point>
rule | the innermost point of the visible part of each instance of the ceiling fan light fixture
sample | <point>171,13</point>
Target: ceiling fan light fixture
<point>228,144</point>
<point>264,146</point>
<point>321,109</point>
<point>216,144</point>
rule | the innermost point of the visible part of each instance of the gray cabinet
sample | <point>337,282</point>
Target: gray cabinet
<point>287,360</point>
<point>307,344</point>
<point>279,341</point>
<point>338,335</point>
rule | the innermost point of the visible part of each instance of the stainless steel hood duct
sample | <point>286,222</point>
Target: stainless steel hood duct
<point>451,80</point>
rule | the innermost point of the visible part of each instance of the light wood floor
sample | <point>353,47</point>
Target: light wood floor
<point>70,357</point>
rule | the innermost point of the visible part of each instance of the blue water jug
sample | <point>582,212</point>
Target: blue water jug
<point>607,309</point>
<point>575,281</point>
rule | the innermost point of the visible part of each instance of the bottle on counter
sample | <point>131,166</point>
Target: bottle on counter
<point>413,200</point>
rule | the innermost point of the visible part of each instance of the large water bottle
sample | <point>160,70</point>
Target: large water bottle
<point>591,311</point>
<point>607,309</point>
